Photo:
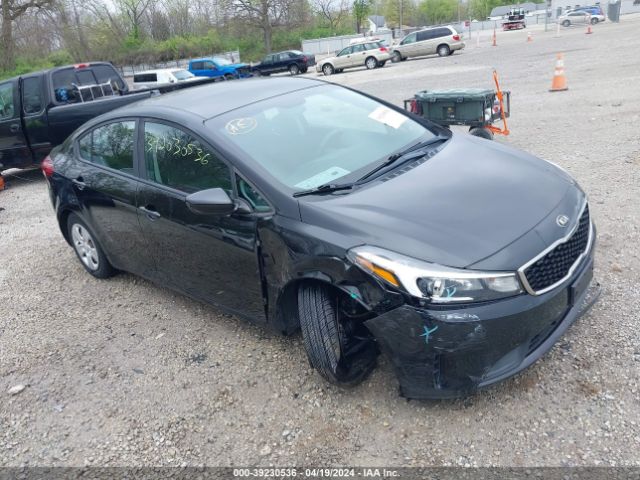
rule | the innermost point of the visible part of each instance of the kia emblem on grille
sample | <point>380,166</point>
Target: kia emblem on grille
<point>562,220</point>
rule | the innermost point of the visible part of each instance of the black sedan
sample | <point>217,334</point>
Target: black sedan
<point>303,204</point>
<point>292,61</point>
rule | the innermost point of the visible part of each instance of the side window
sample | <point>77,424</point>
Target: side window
<point>410,39</point>
<point>31,95</point>
<point>251,195</point>
<point>358,48</point>
<point>197,66</point>
<point>421,36</point>
<point>110,145</point>
<point>6,101</point>
<point>442,32</point>
<point>209,66</point>
<point>284,57</point>
<point>176,159</point>
<point>345,51</point>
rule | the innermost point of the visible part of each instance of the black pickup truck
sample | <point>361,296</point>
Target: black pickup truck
<point>292,61</point>
<point>39,110</point>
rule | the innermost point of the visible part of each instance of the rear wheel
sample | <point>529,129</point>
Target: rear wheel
<point>444,50</point>
<point>294,69</point>
<point>371,63</point>
<point>228,76</point>
<point>87,248</point>
<point>481,132</point>
<point>396,57</point>
<point>331,340</point>
<point>328,69</point>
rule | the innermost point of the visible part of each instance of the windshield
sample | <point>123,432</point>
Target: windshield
<point>318,135</point>
<point>182,74</point>
<point>222,61</point>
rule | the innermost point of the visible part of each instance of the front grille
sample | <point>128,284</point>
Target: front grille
<point>555,265</point>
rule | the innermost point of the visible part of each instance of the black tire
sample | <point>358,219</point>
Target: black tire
<point>481,132</point>
<point>594,21</point>
<point>452,52</point>
<point>304,69</point>
<point>340,360</point>
<point>328,69</point>
<point>100,268</point>
<point>444,50</point>
<point>371,63</point>
<point>340,70</point>
<point>404,59</point>
<point>566,23</point>
<point>228,76</point>
<point>294,69</point>
<point>396,56</point>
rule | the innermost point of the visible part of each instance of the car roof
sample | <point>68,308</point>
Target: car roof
<point>211,100</point>
<point>159,70</point>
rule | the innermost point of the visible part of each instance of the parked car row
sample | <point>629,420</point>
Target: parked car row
<point>371,54</point>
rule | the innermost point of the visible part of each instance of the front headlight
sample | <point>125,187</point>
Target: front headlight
<point>434,282</point>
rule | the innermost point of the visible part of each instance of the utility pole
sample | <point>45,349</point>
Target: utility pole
<point>401,2</point>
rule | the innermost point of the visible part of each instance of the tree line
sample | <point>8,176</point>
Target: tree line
<point>43,33</point>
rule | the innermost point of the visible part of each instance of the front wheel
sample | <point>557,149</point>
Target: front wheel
<point>396,57</point>
<point>481,132</point>
<point>371,63</point>
<point>294,69</point>
<point>566,23</point>
<point>594,21</point>
<point>328,69</point>
<point>87,248</point>
<point>228,76</point>
<point>339,355</point>
<point>444,50</point>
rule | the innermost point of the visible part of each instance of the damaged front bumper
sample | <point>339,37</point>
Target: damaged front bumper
<point>451,352</point>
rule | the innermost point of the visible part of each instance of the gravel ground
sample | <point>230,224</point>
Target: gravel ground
<point>122,372</point>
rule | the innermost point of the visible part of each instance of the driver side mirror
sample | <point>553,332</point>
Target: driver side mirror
<point>213,201</point>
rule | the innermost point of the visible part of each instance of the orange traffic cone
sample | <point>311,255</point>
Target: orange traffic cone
<point>494,38</point>
<point>559,82</point>
<point>529,37</point>
<point>589,32</point>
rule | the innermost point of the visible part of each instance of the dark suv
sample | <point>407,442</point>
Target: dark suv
<point>292,61</point>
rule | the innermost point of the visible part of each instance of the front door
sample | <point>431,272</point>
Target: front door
<point>14,151</point>
<point>211,257</point>
<point>344,58</point>
<point>105,182</point>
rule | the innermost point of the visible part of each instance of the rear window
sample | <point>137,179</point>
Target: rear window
<point>145,77</point>
<point>66,80</point>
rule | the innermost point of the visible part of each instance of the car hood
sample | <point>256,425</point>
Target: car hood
<point>474,204</point>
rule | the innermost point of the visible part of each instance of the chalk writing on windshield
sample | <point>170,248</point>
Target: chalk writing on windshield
<point>177,147</point>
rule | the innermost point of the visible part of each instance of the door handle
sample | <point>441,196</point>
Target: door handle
<point>150,212</point>
<point>79,182</point>
<point>14,128</point>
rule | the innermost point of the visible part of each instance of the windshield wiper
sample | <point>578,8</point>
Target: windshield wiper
<point>418,147</point>
<point>325,188</point>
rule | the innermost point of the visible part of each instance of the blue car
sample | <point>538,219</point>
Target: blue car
<point>218,67</point>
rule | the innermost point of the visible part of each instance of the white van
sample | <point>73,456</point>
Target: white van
<point>155,78</point>
<point>441,40</point>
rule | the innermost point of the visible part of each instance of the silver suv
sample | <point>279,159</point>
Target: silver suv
<point>441,40</point>
<point>371,54</point>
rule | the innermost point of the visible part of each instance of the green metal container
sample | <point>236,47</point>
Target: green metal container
<point>469,106</point>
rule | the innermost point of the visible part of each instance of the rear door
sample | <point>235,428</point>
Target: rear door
<point>35,118</point>
<point>211,257</point>
<point>358,55</point>
<point>423,45</point>
<point>105,182</point>
<point>14,151</point>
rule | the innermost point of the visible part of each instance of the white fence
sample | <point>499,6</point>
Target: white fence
<point>320,46</point>
<point>129,70</point>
